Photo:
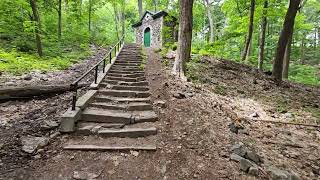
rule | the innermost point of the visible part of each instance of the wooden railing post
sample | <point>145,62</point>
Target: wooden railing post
<point>96,75</point>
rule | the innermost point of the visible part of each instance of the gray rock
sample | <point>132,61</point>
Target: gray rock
<point>31,144</point>
<point>254,170</point>
<point>83,175</point>
<point>235,157</point>
<point>10,83</point>
<point>179,95</point>
<point>27,77</point>
<point>245,164</point>
<point>44,79</point>
<point>254,115</point>
<point>49,125</point>
<point>54,135</point>
<point>239,149</point>
<point>277,174</point>
<point>288,115</point>
<point>160,103</point>
<point>253,156</point>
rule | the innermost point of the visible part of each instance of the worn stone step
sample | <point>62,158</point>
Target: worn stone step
<point>126,75</point>
<point>128,61</point>
<point>114,147</point>
<point>126,68</point>
<point>105,83</point>
<point>126,79</point>
<point>87,128</point>
<point>113,116</point>
<point>132,88</point>
<point>93,115</point>
<point>127,132</point>
<point>101,98</point>
<point>124,93</point>
<point>134,106</point>
<point>125,72</point>
<point>127,64</point>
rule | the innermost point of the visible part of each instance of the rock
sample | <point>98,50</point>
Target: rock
<point>254,115</point>
<point>245,164</point>
<point>10,83</point>
<point>27,77</point>
<point>235,157</point>
<point>235,127</point>
<point>243,131</point>
<point>135,153</point>
<point>239,149</point>
<point>49,125</point>
<point>38,156</point>
<point>160,104</point>
<point>251,155</point>
<point>54,135</point>
<point>179,95</point>
<point>254,170</point>
<point>288,115</point>
<point>277,174</point>
<point>171,55</point>
<point>82,175</point>
<point>31,144</point>
<point>44,79</point>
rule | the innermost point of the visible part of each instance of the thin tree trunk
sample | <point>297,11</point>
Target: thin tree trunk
<point>116,19</point>
<point>123,18</point>
<point>59,20</point>
<point>80,12</point>
<point>286,59</point>
<point>262,35</point>
<point>36,18</point>
<point>284,38</point>
<point>210,19</point>
<point>302,49</point>
<point>155,4</point>
<point>185,37</point>
<point>90,11</point>
<point>250,31</point>
<point>140,8</point>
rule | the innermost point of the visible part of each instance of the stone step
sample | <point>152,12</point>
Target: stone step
<point>101,98</point>
<point>127,64</point>
<point>104,83</point>
<point>128,61</point>
<point>94,143</point>
<point>125,68</point>
<point>115,130</point>
<point>124,93</point>
<point>113,116</point>
<point>132,88</point>
<point>126,75</point>
<point>126,79</point>
<point>128,132</point>
<point>134,106</point>
<point>125,72</point>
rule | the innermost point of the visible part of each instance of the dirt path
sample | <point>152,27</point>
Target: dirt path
<point>194,137</point>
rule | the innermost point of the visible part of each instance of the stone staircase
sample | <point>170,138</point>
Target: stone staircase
<point>120,114</point>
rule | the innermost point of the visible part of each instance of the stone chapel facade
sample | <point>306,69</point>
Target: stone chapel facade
<point>156,29</point>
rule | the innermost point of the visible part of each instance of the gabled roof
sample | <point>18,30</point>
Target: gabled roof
<point>153,15</point>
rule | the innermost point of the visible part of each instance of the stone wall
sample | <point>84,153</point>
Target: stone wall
<point>155,26</point>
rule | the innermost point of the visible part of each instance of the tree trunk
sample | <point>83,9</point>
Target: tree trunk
<point>250,31</point>
<point>210,19</point>
<point>116,19</point>
<point>262,35</point>
<point>10,93</point>
<point>284,38</point>
<point>36,18</point>
<point>286,59</point>
<point>302,49</point>
<point>59,20</point>
<point>155,4</point>
<point>90,10</point>
<point>185,37</point>
<point>140,8</point>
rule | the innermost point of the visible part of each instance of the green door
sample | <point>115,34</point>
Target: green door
<point>147,37</point>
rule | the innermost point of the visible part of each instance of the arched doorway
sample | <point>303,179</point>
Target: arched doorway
<point>147,37</point>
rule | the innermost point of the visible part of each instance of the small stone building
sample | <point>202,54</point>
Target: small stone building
<point>156,29</point>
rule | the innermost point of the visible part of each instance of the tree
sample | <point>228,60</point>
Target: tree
<point>262,35</point>
<point>210,19</point>
<point>59,19</point>
<point>286,59</point>
<point>250,31</point>
<point>140,8</point>
<point>36,19</point>
<point>89,13</point>
<point>184,40</point>
<point>285,35</point>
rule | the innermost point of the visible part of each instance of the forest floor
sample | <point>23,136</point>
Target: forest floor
<point>194,140</point>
